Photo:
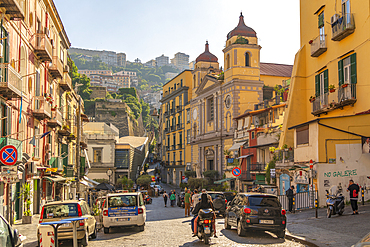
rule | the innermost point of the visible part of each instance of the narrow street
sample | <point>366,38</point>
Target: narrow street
<point>166,226</point>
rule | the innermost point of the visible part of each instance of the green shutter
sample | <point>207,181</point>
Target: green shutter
<point>317,85</point>
<point>353,69</point>
<point>326,81</point>
<point>340,72</point>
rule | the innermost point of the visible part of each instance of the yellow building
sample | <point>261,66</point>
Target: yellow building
<point>175,102</point>
<point>327,120</point>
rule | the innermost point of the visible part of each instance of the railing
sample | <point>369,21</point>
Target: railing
<point>347,93</point>
<point>318,46</point>
<point>320,102</point>
<point>66,83</point>
<point>10,82</point>
<point>42,46</point>
<point>56,69</point>
<point>42,107</point>
<point>301,199</point>
<point>343,27</point>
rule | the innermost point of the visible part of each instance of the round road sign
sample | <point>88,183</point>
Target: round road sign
<point>8,155</point>
<point>236,171</point>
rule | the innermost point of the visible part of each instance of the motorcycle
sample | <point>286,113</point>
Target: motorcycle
<point>335,204</point>
<point>205,224</point>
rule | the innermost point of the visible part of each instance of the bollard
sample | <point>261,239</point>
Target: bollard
<point>316,207</point>
<point>363,196</point>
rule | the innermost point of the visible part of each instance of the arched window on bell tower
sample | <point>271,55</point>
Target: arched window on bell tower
<point>227,61</point>
<point>247,60</point>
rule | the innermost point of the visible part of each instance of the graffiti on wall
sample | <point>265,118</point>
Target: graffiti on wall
<point>346,173</point>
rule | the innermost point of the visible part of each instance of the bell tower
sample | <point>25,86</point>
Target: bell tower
<point>242,54</point>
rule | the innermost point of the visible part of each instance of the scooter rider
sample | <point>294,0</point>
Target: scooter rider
<point>204,203</point>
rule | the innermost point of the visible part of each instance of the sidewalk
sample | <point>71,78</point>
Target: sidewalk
<point>345,230</point>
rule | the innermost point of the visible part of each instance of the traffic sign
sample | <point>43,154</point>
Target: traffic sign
<point>236,171</point>
<point>8,155</point>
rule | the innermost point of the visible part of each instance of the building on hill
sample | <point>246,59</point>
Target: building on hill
<point>162,60</point>
<point>214,98</point>
<point>108,57</point>
<point>327,119</point>
<point>180,61</point>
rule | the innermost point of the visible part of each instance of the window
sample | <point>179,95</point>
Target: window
<point>321,83</point>
<point>210,109</point>
<point>247,63</point>
<point>97,155</point>
<point>188,136</point>
<point>302,135</point>
<point>188,115</point>
<point>347,71</point>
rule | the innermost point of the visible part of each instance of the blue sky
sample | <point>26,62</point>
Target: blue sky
<point>146,29</point>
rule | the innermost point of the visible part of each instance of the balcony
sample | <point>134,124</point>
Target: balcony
<point>10,82</point>
<point>318,46</point>
<point>346,95</point>
<point>66,82</point>
<point>257,167</point>
<point>42,108</point>
<point>16,143</point>
<point>343,27</point>
<point>42,47</point>
<point>56,119</point>
<point>14,8</point>
<point>66,128</point>
<point>56,68</point>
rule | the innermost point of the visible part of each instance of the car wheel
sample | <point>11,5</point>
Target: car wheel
<point>280,234</point>
<point>240,230</point>
<point>106,230</point>
<point>94,234</point>
<point>141,228</point>
<point>227,226</point>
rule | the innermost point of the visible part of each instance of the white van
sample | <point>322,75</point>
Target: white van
<point>124,209</point>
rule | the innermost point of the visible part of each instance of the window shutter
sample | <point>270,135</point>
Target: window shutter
<point>353,69</point>
<point>340,72</point>
<point>326,81</point>
<point>317,85</point>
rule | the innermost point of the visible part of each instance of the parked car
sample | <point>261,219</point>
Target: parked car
<point>180,199</point>
<point>256,211</point>
<point>124,209</point>
<point>229,196</point>
<point>160,189</point>
<point>219,202</point>
<point>9,237</point>
<point>62,210</point>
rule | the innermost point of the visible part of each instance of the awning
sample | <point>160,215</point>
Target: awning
<point>86,183</point>
<point>55,179</point>
<point>236,146</point>
<point>223,180</point>
<point>244,156</point>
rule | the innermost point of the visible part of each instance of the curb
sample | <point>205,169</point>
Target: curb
<point>290,236</point>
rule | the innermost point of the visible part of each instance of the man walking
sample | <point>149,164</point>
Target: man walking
<point>187,199</point>
<point>290,194</point>
<point>353,195</point>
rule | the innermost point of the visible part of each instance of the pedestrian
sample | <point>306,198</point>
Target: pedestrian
<point>165,197</point>
<point>172,198</point>
<point>290,194</point>
<point>187,199</point>
<point>353,195</point>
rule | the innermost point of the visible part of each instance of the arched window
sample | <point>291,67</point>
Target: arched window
<point>247,60</point>
<point>227,61</point>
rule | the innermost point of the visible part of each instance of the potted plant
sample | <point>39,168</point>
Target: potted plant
<point>312,99</point>
<point>331,88</point>
<point>25,195</point>
<point>345,85</point>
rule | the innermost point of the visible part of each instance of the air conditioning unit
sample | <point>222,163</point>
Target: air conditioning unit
<point>334,18</point>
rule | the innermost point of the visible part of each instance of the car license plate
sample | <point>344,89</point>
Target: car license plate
<point>64,225</point>
<point>207,230</point>
<point>266,222</point>
<point>123,219</point>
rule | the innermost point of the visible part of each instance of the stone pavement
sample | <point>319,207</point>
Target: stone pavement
<point>345,230</point>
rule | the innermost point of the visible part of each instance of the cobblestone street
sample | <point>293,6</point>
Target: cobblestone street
<point>166,227</point>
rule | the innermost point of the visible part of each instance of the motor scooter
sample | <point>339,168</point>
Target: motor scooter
<point>205,224</point>
<point>335,204</point>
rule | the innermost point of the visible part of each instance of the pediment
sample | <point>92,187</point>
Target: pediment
<point>208,82</point>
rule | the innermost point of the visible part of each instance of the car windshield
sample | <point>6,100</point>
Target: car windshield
<point>266,201</point>
<point>60,210</point>
<point>122,201</point>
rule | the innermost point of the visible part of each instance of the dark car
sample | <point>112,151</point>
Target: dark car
<point>180,199</point>
<point>219,202</point>
<point>256,211</point>
<point>229,196</point>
